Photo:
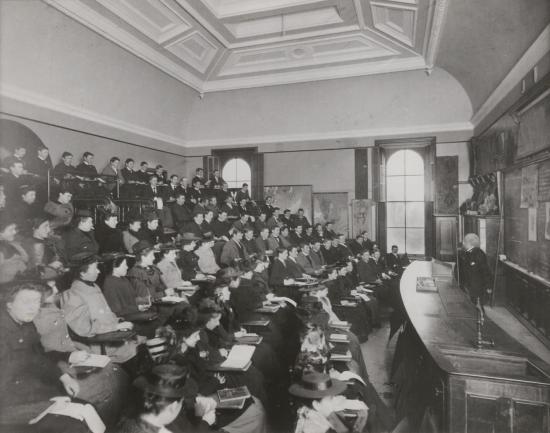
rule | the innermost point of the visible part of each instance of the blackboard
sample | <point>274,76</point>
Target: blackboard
<point>532,255</point>
<point>534,127</point>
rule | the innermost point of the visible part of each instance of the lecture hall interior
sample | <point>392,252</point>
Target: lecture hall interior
<point>275,216</point>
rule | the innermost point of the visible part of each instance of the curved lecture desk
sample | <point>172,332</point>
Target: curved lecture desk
<point>500,388</point>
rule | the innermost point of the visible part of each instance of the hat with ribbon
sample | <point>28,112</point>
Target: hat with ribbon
<point>316,386</point>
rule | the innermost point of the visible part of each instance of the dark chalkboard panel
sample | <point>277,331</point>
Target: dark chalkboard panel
<point>532,255</point>
<point>534,127</point>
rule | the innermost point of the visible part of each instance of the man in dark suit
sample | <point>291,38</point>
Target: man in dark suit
<point>279,270</point>
<point>294,268</point>
<point>268,207</point>
<point>262,244</point>
<point>329,252</point>
<point>199,177</point>
<point>286,219</point>
<point>296,235</point>
<point>357,246</point>
<point>243,194</point>
<point>181,214</point>
<point>81,238</point>
<point>195,226</point>
<point>300,219</point>
<point>215,181</point>
<point>395,262</point>
<point>250,243</point>
<point>221,227</point>
<point>342,251</point>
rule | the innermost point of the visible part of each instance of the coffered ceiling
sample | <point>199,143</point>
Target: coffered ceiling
<point>216,45</point>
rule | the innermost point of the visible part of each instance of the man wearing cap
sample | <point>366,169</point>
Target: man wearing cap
<point>195,225</point>
<point>233,249</point>
<point>61,210</point>
<point>108,235</point>
<point>81,239</point>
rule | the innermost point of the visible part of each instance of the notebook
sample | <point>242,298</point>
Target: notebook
<point>239,357</point>
<point>93,360</point>
<point>228,395</point>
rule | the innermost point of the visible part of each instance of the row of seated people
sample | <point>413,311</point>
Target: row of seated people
<point>84,311</point>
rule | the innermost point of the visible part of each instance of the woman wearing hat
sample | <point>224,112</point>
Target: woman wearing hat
<point>13,257</point>
<point>130,236</point>
<point>43,247</point>
<point>121,296</point>
<point>169,271</point>
<point>191,353</point>
<point>87,312</point>
<point>105,387</point>
<point>29,378</point>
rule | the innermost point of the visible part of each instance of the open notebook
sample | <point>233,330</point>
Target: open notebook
<point>239,357</point>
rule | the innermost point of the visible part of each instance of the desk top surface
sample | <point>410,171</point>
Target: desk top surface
<point>446,322</point>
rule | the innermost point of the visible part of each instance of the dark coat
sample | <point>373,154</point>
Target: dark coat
<point>279,272</point>
<point>188,262</point>
<point>120,295</point>
<point>294,269</point>
<point>181,214</point>
<point>474,274</point>
<point>109,239</point>
<point>367,271</point>
<point>77,241</point>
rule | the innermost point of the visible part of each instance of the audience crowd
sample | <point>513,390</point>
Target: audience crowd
<point>166,296</point>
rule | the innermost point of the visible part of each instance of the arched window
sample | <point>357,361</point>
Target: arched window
<point>237,171</point>
<point>405,218</point>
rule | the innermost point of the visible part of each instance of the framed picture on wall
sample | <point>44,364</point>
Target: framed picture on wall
<point>332,206</point>
<point>292,197</point>
<point>361,216</point>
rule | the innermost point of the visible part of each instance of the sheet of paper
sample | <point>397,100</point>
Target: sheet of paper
<point>239,356</point>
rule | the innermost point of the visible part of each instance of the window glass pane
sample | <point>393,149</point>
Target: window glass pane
<point>395,212</point>
<point>396,237</point>
<point>235,172</point>
<point>414,188</point>
<point>415,241</point>
<point>395,188</point>
<point>415,214</point>
<point>396,163</point>
<point>413,163</point>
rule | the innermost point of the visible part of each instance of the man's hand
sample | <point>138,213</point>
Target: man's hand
<point>72,388</point>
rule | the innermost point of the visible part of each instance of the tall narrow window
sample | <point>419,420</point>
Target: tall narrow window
<point>235,172</point>
<point>405,218</point>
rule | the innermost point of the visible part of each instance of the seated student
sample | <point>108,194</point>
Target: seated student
<point>14,180</point>
<point>81,238</point>
<point>308,234</point>
<point>262,244</point>
<point>316,255</point>
<point>213,206</point>
<point>233,249</point>
<point>230,208</point>
<point>368,272</point>
<point>31,377</point>
<point>242,206</point>
<point>161,174</point>
<point>128,173</point>
<point>64,169</point>
<point>300,219</point>
<point>201,204</point>
<point>19,153</point>
<point>170,273</point>
<point>284,237</point>
<point>87,312</point>
<point>130,236</point>
<point>207,260</point>
<point>304,260</point>
<point>329,252</point>
<point>280,275</point>
<point>261,222</point>
<point>357,246</point>
<point>194,193</point>
<point>145,276</point>
<point>206,225</point>
<point>159,401</point>
<point>25,207</point>
<point>13,257</point>
<point>296,235</point>
<point>328,230</point>
<point>142,175</point>
<point>342,250</point>
<point>243,194</point>
<point>286,219</point>
<point>395,262</point>
<point>221,227</point>
<point>172,189</point>
<point>151,230</point>
<point>181,214</point>
<point>43,247</point>
<point>152,189</point>
<point>215,181</point>
<point>61,210</point>
<point>274,240</point>
<point>188,262</point>
<point>274,220</point>
<point>112,169</point>
<point>199,177</point>
<point>243,223</point>
<point>108,235</point>
<point>249,243</point>
<point>194,226</point>
<point>369,245</point>
<point>87,167</point>
<point>190,353</point>
<point>104,388</point>
<point>294,268</point>
<point>318,232</point>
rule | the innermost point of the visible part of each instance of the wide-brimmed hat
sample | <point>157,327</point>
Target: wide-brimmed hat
<point>188,237</point>
<point>166,380</point>
<point>168,246</point>
<point>40,274</point>
<point>112,256</point>
<point>317,385</point>
<point>141,246</point>
<point>83,258</point>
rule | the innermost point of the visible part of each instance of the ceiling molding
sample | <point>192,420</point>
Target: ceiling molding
<point>382,21</point>
<point>464,127</point>
<point>434,29</point>
<point>526,63</point>
<point>36,100</point>
<point>98,23</point>
<point>327,73</point>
